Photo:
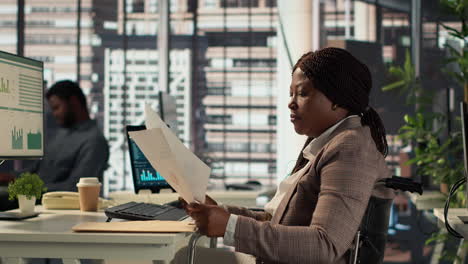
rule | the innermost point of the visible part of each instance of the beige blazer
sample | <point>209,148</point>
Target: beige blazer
<point>319,216</point>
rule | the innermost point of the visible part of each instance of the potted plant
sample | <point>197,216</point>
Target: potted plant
<point>457,63</point>
<point>437,154</point>
<point>27,188</point>
<point>433,157</point>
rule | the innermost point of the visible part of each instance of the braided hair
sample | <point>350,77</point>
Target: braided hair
<point>347,82</point>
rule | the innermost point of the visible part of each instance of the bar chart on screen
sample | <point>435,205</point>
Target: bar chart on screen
<point>4,85</point>
<point>17,138</point>
<point>147,175</point>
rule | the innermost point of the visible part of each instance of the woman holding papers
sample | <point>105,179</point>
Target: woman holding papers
<point>316,211</point>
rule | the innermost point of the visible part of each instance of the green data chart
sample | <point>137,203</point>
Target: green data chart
<point>35,140</point>
<point>17,138</point>
<point>4,85</point>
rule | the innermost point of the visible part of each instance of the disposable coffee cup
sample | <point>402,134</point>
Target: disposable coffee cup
<point>89,189</point>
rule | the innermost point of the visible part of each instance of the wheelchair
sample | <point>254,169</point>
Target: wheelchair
<point>371,237</point>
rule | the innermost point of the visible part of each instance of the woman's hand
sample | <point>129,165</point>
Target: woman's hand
<point>211,220</point>
<point>208,201</point>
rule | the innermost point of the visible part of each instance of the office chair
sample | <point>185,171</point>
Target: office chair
<point>369,242</point>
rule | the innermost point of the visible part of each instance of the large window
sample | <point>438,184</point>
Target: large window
<point>221,74</point>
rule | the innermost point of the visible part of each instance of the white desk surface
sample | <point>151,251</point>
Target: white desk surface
<point>456,224</point>
<point>453,219</point>
<point>50,236</point>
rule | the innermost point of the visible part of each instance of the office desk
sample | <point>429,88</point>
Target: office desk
<point>237,198</point>
<point>453,219</point>
<point>50,236</point>
<point>456,224</point>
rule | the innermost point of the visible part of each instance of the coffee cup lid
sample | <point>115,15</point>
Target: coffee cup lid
<point>88,181</point>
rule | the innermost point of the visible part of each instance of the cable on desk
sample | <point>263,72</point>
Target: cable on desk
<point>453,190</point>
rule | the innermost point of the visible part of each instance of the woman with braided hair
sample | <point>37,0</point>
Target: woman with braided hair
<point>316,211</point>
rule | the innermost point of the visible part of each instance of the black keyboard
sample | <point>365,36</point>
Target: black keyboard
<point>145,211</point>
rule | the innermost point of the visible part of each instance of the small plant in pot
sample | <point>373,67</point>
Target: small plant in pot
<point>27,188</point>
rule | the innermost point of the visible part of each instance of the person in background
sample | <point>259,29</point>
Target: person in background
<point>78,149</point>
<point>316,211</point>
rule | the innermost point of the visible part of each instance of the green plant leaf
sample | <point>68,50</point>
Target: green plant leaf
<point>408,66</point>
<point>452,30</point>
<point>396,72</point>
<point>393,86</point>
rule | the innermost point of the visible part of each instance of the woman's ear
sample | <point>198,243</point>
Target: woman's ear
<point>343,112</point>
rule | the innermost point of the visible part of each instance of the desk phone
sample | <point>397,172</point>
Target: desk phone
<point>66,200</point>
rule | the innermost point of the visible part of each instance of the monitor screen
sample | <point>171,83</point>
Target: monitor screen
<point>21,107</point>
<point>144,175</point>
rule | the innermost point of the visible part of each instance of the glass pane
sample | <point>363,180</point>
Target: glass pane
<point>8,13</point>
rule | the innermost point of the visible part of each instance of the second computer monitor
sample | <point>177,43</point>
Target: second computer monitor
<point>21,107</point>
<point>144,176</point>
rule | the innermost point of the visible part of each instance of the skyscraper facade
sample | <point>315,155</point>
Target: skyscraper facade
<point>50,35</point>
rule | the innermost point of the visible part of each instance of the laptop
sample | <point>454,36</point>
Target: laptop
<point>145,177</point>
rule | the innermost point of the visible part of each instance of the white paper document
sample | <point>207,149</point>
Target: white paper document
<point>184,171</point>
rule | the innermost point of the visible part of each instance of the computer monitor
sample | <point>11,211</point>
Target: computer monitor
<point>21,107</point>
<point>144,176</point>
